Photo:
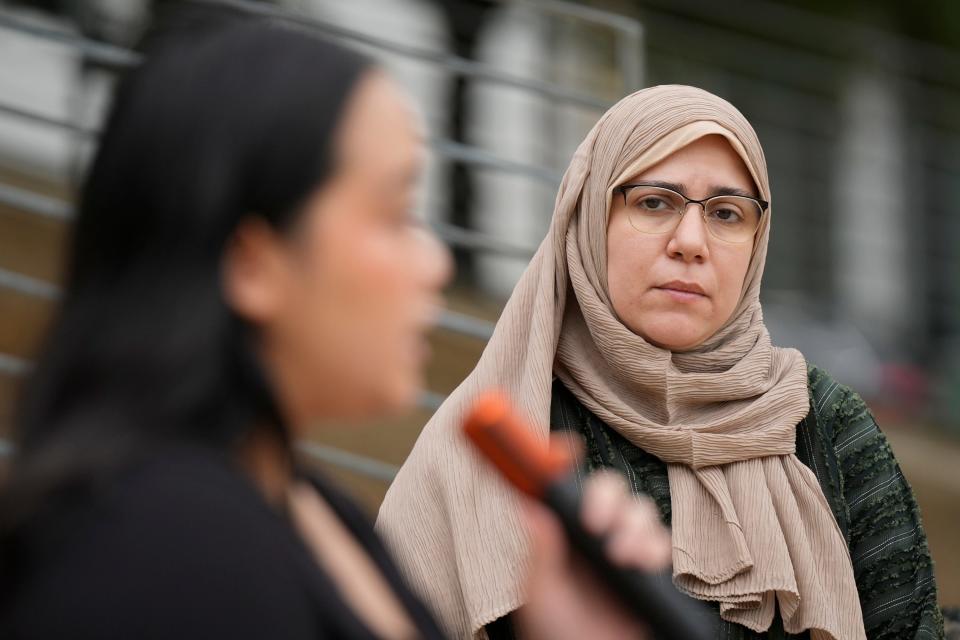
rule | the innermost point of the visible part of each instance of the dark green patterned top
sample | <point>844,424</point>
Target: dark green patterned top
<point>871,500</point>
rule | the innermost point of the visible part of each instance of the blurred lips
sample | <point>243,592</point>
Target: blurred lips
<point>425,323</point>
<point>431,313</point>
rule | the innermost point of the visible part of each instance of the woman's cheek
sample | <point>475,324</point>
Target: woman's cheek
<point>385,265</point>
<point>733,271</point>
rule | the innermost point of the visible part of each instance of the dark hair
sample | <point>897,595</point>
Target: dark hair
<point>227,117</point>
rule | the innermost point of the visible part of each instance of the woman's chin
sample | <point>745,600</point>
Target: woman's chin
<point>401,396</point>
<point>388,399</point>
<point>674,336</point>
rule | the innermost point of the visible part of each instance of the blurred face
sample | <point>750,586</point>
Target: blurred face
<point>344,300</point>
<point>676,289</point>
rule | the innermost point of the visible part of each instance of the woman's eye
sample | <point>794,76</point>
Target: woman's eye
<point>653,204</point>
<point>727,215</point>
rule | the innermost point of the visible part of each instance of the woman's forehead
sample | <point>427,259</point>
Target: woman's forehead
<point>383,132</point>
<point>706,163</point>
<point>722,145</point>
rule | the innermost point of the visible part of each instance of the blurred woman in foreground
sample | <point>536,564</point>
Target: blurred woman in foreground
<point>245,264</point>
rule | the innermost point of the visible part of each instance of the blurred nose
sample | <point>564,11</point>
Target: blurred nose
<point>437,262</point>
<point>689,239</point>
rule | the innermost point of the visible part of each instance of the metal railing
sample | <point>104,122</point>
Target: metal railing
<point>627,31</point>
<point>792,98</point>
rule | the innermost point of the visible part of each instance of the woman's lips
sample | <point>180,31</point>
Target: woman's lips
<point>683,291</point>
<point>426,323</point>
<point>422,349</point>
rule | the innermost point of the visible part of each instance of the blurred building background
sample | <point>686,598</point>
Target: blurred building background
<point>857,105</point>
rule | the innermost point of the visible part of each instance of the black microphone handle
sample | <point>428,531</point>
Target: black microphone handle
<point>653,598</point>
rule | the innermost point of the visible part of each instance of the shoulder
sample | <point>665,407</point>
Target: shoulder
<point>859,446</point>
<point>191,502</point>
<point>178,547</point>
<point>841,411</point>
<point>888,546</point>
<point>871,479</point>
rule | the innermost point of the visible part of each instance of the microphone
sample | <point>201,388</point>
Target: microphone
<point>546,475</point>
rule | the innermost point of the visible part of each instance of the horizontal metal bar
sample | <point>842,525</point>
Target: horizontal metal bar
<point>442,146</point>
<point>98,51</point>
<point>466,325</point>
<point>118,56</point>
<point>30,202</point>
<point>477,156</point>
<point>13,366</point>
<point>19,112</point>
<point>349,461</point>
<point>449,320</point>
<point>477,241</point>
<point>616,21</point>
<point>430,400</point>
<point>27,285</point>
<point>453,63</point>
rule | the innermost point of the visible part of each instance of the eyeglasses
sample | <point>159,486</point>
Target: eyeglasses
<point>657,210</point>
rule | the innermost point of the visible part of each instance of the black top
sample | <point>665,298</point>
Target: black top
<point>184,546</point>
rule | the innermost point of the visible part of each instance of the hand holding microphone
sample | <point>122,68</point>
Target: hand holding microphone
<point>614,587</point>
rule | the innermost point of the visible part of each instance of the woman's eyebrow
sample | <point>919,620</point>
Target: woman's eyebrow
<point>731,191</point>
<point>673,186</point>
<point>715,190</point>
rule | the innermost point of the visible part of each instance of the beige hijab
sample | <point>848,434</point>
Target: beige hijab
<point>751,527</point>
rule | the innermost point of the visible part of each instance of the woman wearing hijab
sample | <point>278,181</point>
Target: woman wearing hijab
<point>244,265</point>
<point>638,325</point>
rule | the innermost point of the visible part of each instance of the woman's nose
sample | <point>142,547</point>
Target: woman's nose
<point>689,240</point>
<point>438,261</point>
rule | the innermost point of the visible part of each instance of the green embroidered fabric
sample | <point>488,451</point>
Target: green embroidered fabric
<point>873,504</point>
<point>871,500</point>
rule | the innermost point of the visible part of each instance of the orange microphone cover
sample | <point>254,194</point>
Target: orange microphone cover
<point>508,442</point>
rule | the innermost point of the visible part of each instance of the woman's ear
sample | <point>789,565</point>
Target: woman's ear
<point>255,271</point>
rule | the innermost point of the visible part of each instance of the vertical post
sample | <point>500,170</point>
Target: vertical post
<point>875,210</point>
<point>630,56</point>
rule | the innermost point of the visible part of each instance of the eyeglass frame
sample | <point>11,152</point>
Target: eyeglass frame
<point>763,204</point>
